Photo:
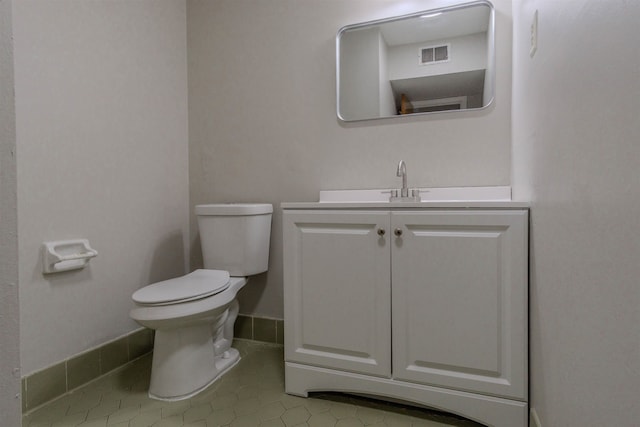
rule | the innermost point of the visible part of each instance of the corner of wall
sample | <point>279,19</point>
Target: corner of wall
<point>10,409</point>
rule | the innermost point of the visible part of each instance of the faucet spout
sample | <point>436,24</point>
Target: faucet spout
<point>402,171</point>
<point>404,191</point>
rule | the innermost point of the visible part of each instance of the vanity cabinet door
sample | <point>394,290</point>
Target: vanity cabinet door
<point>460,300</point>
<point>337,294</point>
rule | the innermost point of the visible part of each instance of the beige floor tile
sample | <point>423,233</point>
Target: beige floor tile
<point>103,410</point>
<point>83,403</point>
<point>38,419</point>
<point>224,400</point>
<point>172,421</point>
<point>369,416</point>
<point>289,401</point>
<point>317,406</point>
<point>349,422</point>
<point>248,420</point>
<point>221,417</point>
<point>197,413</point>
<point>122,415</point>
<point>246,406</point>
<point>397,420</point>
<point>295,416</point>
<point>270,395</point>
<point>324,419</point>
<point>134,399</point>
<point>70,420</point>
<point>57,409</point>
<point>342,410</point>
<point>169,409</point>
<point>205,396</point>
<point>150,405</point>
<point>247,391</point>
<point>270,411</point>
<point>250,395</point>
<point>145,419</point>
<point>100,422</point>
<point>426,423</point>
<point>276,422</point>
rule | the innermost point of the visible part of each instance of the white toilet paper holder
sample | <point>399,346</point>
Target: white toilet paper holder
<point>64,255</point>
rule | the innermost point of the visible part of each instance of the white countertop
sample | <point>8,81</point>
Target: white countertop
<point>408,205</point>
<point>493,197</point>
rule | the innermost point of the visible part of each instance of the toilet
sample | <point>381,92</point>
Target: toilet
<point>193,315</point>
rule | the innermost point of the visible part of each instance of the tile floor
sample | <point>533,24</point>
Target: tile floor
<point>252,394</point>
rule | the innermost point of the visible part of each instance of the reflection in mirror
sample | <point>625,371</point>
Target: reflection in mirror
<point>430,61</point>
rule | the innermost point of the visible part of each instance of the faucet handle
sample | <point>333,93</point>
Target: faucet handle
<point>417,191</point>
<point>392,193</point>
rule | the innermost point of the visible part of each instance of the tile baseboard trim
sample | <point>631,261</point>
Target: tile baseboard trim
<point>55,381</point>
<point>262,329</point>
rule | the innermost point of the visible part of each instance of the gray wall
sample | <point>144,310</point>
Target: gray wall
<point>263,127</point>
<point>9,308</point>
<point>101,116</point>
<point>576,153</point>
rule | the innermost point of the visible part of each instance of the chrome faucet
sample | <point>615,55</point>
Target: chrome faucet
<point>405,195</point>
<point>402,171</point>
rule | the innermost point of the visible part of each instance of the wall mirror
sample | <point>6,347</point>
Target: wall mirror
<point>429,61</point>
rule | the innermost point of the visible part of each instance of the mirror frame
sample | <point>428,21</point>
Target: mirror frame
<point>491,60</point>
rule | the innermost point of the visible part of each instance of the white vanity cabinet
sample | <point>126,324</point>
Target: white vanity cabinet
<point>420,304</point>
<point>338,298</point>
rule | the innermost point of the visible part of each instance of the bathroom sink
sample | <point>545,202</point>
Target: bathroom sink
<point>435,194</point>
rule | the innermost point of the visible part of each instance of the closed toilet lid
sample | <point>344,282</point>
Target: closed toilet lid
<point>195,285</point>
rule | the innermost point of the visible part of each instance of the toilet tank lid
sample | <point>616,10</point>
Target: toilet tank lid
<point>234,209</point>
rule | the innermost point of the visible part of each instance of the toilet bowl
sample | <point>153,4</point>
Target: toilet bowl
<point>194,330</point>
<point>193,315</point>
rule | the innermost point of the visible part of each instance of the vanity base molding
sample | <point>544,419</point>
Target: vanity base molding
<point>492,411</point>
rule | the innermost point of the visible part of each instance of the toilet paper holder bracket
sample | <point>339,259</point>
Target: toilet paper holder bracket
<point>65,255</point>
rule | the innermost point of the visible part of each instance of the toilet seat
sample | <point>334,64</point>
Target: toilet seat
<point>193,286</point>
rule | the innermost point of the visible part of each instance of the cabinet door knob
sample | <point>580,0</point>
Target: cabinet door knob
<point>397,232</point>
<point>381,232</point>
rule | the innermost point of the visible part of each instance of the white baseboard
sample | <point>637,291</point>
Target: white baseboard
<point>534,420</point>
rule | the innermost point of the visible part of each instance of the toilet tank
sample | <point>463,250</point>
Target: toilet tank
<point>235,236</point>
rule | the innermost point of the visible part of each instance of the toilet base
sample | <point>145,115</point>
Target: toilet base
<point>222,366</point>
<point>188,359</point>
